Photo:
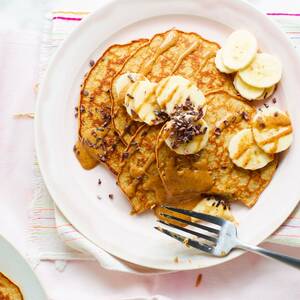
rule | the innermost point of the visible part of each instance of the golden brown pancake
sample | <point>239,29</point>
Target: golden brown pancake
<point>97,140</point>
<point>225,116</point>
<point>139,178</point>
<point>185,54</point>
<point>8,290</point>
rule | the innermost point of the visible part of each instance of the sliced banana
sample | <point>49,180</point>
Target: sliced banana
<point>175,90</point>
<point>214,207</point>
<point>268,92</point>
<point>124,81</point>
<point>192,146</point>
<point>239,50</point>
<point>244,152</point>
<point>245,90</point>
<point>263,72</point>
<point>272,130</point>
<point>140,102</point>
<point>220,65</point>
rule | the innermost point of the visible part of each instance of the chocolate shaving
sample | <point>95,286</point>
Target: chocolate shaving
<point>217,131</point>
<point>185,125</point>
<point>245,116</point>
<point>102,158</point>
<point>130,78</point>
<point>85,93</point>
<point>161,115</point>
<point>130,96</point>
<point>125,155</point>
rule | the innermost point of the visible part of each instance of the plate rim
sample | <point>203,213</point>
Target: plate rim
<point>18,256</point>
<point>184,266</point>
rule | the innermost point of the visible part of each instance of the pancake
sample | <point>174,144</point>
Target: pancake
<point>171,53</point>
<point>229,114</point>
<point>97,141</point>
<point>8,290</point>
<point>139,178</point>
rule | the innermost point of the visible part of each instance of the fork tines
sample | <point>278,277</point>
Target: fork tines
<point>212,240</point>
<point>197,215</point>
<point>186,241</point>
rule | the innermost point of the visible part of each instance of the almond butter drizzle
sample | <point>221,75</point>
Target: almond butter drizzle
<point>270,122</point>
<point>243,146</point>
<point>180,98</point>
<point>160,89</point>
<point>146,100</point>
<point>167,43</point>
<point>246,159</point>
<point>276,137</point>
<point>169,97</point>
<point>273,122</point>
<point>187,52</point>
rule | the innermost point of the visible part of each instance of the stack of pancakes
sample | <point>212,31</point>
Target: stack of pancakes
<point>149,172</point>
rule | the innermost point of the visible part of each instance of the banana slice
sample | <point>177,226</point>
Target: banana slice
<point>268,92</point>
<point>140,102</point>
<point>175,90</point>
<point>247,91</point>
<point>214,207</point>
<point>178,139</point>
<point>263,72</point>
<point>272,130</point>
<point>244,152</point>
<point>220,65</point>
<point>239,50</point>
<point>124,81</point>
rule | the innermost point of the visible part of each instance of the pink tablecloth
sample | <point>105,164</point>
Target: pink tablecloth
<point>247,277</point>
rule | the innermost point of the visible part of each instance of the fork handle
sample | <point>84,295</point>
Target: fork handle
<point>292,261</point>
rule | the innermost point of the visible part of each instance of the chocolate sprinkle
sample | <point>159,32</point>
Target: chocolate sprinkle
<point>245,116</point>
<point>99,181</point>
<point>276,114</point>
<point>92,62</point>
<point>130,96</point>
<point>85,93</point>
<point>274,100</point>
<point>111,196</point>
<point>161,115</point>
<point>217,131</point>
<point>125,155</point>
<point>266,105</point>
<point>102,158</point>
<point>130,78</point>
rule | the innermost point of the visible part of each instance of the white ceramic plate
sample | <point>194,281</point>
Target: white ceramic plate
<point>14,267</point>
<point>105,222</point>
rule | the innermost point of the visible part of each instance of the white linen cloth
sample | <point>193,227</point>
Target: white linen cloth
<point>247,277</point>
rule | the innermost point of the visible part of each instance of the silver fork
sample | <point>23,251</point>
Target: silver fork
<point>220,238</point>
